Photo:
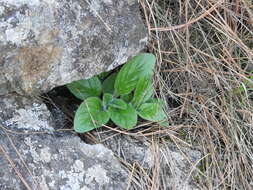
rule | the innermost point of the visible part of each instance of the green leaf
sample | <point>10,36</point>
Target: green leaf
<point>118,103</point>
<point>108,84</point>
<point>137,67</point>
<point>143,91</point>
<point>83,89</point>
<point>164,123</point>
<point>126,119</point>
<point>156,100</point>
<point>90,115</point>
<point>127,98</point>
<point>152,112</point>
<point>107,99</point>
<point>103,75</point>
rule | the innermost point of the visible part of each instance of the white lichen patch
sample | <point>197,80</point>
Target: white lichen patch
<point>85,188</point>
<point>97,150</point>
<point>1,10</point>
<point>49,2</point>
<point>143,40</point>
<point>108,1</point>
<point>74,177</point>
<point>97,174</point>
<point>31,118</point>
<point>95,6</point>
<point>45,154</point>
<point>78,166</point>
<point>131,2</point>
<point>16,35</point>
<point>31,150</point>
<point>52,183</point>
<point>19,3</point>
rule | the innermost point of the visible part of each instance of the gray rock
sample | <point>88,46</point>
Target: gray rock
<point>179,167</point>
<point>130,149</point>
<point>58,162</point>
<point>176,168</point>
<point>40,158</point>
<point>25,114</point>
<point>48,43</point>
<point>249,66</point>
<point>4,86</point>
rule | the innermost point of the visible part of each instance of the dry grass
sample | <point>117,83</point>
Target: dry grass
<point>205,52</point>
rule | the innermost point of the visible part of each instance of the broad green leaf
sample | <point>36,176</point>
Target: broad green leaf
<point>143,91</point>
<point>137,67</point>
<point>156,100</point>
<point>118,103</point>
<point>90,115</point>
<point>107,99</point>
<point>152,112</point>
<point>164,123</point>
<point>103,75</point>
<point>127,98</point>
<point>108,84</point>
<point>83,89</point>
<point>126,119</point>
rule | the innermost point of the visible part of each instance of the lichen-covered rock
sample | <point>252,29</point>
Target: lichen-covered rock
<point>50,159</point>
<point>48,43</point>
<point>3,83</point>
<point>58,162</point>
<point>20,113</point>
<point>176,168</point>
<point>130,149</point>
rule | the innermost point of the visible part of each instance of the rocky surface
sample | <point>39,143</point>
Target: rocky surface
<point>130,149</point>
<point>25,114</point>
<point>176,168</point>
<point>33,155</point>
<point>57,162</point>
<point>48,43</point>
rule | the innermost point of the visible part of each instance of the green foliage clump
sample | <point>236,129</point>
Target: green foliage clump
<point>121,97</point>
<point>246,88</point>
